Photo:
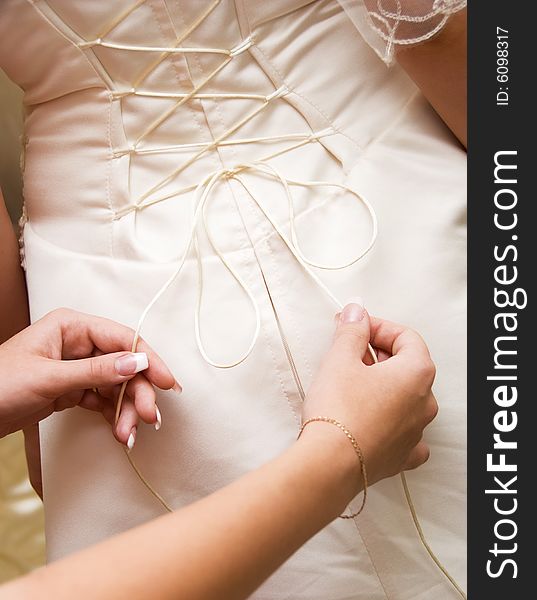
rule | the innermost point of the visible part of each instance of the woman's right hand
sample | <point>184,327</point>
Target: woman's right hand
<point>387,405</point>
<point>68,359</point>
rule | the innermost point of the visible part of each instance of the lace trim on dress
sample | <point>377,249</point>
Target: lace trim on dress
<point>24,214</point>
<point>22,222</point>
<point>387,24</point>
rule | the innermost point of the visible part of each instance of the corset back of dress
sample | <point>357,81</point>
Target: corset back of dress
<point>221,152</point>
<point>139,124</point>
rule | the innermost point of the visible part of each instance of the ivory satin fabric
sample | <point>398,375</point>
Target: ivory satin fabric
<point>85,247</point>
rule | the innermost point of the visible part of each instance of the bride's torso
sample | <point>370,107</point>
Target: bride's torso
<point>96,86</point>
<point>131,108</point>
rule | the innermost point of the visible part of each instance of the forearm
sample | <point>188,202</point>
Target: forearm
<point>13,298</point>
<point>14,316</point>
<point>438,67</point>
<point>223,546</point>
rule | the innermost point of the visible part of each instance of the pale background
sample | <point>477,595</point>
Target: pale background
<point>22,540</point>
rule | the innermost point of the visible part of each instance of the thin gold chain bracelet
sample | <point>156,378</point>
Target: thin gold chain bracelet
<point>357,449</point>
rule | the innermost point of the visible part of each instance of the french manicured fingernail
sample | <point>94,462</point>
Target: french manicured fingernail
<point>177,388</point>
<point>132,439</point>
<point>158,423</point>
<point>353,311</point>
<point>132,363</point>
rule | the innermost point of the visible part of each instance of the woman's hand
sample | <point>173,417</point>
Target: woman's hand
<point>69,359</point>
<point>244,531</point>
<point>387,405</point>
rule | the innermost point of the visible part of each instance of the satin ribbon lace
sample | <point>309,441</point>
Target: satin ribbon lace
<point>202,192</point>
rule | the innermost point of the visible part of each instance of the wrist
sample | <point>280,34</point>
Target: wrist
<point>334,463</point>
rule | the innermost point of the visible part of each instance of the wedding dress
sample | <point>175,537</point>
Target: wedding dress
<point>215,164</point>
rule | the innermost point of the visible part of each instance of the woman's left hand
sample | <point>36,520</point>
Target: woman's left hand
<point>69,359</point>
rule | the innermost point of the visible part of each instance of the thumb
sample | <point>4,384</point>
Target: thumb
<point>353,328</point>
<point>98,371</point>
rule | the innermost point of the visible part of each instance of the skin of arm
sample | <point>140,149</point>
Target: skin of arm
<point>14,316</point>
<point>438,67</point>
<point>223,546</point>
<point>227,544</point>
